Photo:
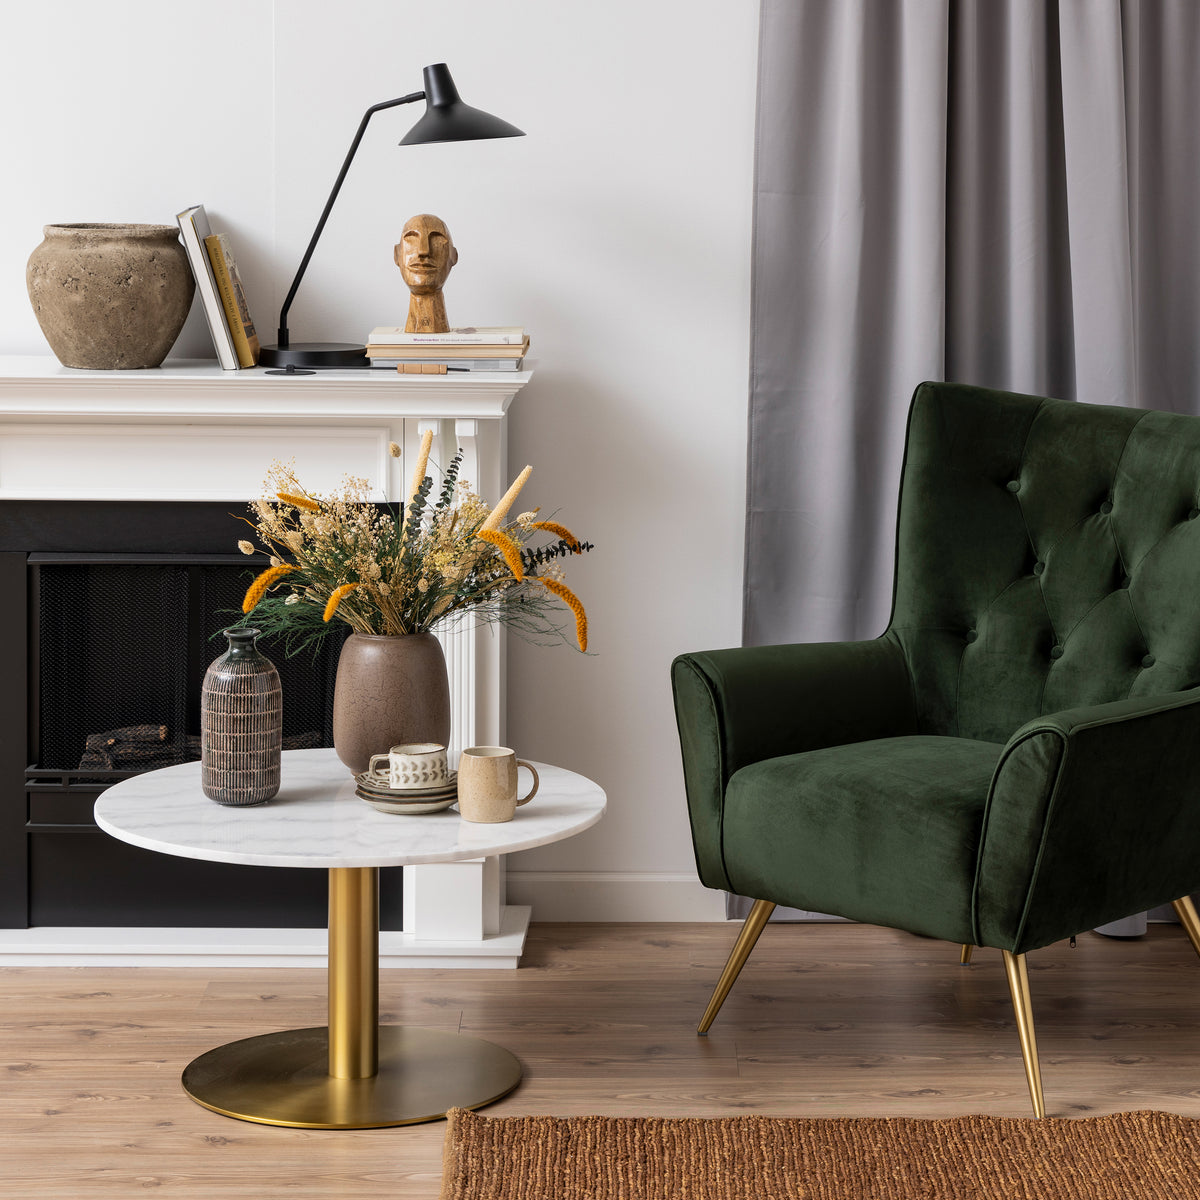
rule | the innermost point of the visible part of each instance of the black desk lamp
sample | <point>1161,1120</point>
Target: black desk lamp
<point>446,119</point>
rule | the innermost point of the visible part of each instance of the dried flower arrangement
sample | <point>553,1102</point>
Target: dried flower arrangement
<point>381,570</point>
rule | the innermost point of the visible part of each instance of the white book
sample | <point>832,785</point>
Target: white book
<point>194,226</point>
<point>453,364</point>
<point>466,335</point>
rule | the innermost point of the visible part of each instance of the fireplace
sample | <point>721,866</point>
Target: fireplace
<point>114,611</point>
<point>116,466</point>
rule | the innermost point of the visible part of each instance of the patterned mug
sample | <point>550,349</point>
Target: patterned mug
<point>413,765</point>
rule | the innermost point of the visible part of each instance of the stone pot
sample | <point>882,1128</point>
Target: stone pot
<point>389,691</point>
<point>110,297</point>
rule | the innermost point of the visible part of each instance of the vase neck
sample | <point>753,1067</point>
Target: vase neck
<point>242,641</point>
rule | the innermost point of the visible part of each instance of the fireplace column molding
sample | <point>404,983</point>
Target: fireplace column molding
<point>191,431</point>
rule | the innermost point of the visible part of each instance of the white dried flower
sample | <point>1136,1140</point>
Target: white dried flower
<point>246,547</point>
<point>292,599</point>
<point>393,450</point>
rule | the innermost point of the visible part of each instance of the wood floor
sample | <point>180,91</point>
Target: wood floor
<point>826,1020</point>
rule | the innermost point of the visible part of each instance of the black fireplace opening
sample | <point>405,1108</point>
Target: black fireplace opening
<point>114,612</point>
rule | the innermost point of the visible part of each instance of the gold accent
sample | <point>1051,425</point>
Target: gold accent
<point>353,972</point>
<point>751,928</point>
<point>352,1074</point>
<point>281,1079</point>
<point>1185,910</point>
<point>965,957</point>
<point>1018,986</point>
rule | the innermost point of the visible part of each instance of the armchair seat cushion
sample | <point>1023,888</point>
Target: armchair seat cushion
<point>883,831</point>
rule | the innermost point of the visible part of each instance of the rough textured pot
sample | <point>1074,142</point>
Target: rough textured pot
<point>110,297</point>
<point>241,724</point>
<point>389,690</point>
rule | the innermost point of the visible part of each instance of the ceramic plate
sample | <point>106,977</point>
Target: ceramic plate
<point>378,786</point>
<point>405,808</point>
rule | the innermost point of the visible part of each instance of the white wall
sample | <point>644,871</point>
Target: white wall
<point>618,232</point>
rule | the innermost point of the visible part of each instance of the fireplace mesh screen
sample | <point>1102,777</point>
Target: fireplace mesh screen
<point>121,651</point>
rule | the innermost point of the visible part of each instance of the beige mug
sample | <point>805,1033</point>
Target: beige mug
<point>487,784</point>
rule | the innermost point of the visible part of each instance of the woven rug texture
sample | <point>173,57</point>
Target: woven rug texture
<point>1128,1156</point>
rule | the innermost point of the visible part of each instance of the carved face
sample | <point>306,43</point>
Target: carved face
<point>425,254</point>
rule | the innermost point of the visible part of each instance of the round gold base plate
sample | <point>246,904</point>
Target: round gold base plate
<point>283,1079</point>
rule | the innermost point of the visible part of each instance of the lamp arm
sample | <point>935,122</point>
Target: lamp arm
<point>337,187</point>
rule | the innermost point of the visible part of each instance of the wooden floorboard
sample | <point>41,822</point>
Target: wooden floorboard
<point>826,1020</point>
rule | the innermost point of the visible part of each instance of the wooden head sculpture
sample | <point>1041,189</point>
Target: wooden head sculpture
<point>425,255</point>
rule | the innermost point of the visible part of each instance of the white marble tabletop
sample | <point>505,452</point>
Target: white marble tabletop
<point>316,820</point>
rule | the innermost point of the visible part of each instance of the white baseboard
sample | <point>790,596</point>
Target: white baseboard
<point>614,896</point>
<point>48,946</point>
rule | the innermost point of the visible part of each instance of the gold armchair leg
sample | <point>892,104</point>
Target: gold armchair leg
<point>965,957</point>
<point>751,928</point>
<point>1018,986</point>
<point>1185,910</point>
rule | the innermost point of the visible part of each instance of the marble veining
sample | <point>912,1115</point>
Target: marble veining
<point>316,820</point>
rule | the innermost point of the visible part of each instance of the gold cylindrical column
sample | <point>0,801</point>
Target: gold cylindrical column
<point>353,972</point>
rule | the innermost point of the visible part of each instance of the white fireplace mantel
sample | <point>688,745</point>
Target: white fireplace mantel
<point>189,430</point>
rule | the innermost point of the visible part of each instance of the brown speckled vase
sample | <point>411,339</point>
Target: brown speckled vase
<point>389,690</point>
<point>241,724</point>
<point>110,297</point>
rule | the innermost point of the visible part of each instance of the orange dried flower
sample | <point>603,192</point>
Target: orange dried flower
<point>258,589</point>
<point>299,501</point>
<point>507,547</point>
<point>572,601</point>
<point>335,599</point>
<point>562,532</point>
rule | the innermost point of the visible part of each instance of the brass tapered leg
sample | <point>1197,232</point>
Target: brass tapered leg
<point>1185,910</point>
<point>965,957</point>
<point>1018,986</point>
<point>751,928</point>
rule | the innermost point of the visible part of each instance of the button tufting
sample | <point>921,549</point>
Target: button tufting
<point>1038,567</point>
<point>1013,485</point>
<point>971,635</point>
<point>1148,660</point>
<point>1193,514</point>
<point>1125,581</point>
<point>1106,507</point>
<point>1056,652</point>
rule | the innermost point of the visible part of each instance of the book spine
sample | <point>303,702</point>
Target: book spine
<point>233,316</point>
<point>193,225</point>
<point>461,364</point>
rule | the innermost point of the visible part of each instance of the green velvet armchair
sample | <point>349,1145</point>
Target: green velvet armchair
<point>1017,758</point>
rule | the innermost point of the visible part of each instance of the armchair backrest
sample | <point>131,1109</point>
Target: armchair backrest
<point>1047,557</point>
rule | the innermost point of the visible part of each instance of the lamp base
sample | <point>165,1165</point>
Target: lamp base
<point>319,355</point>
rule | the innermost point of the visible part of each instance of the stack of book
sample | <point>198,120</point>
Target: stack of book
<point>472,348</point>
<point>220,290</point>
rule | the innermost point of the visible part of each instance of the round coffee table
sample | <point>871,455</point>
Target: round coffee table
<point>353,1073</point>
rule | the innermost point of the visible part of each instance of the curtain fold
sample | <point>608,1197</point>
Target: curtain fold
<point>1001,193</point>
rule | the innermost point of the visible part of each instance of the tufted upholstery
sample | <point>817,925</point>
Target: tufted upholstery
<point>1048,557</point>
<point>1017,758</point>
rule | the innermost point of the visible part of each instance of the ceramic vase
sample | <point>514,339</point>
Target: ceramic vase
<point>110,297</point>
<point>389,691</point>
<point>241,724</point>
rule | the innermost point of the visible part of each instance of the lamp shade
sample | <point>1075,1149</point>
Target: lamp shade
<point>448,119</point>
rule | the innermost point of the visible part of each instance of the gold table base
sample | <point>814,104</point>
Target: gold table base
<point>352,1073</point>
<point>283,1079</point>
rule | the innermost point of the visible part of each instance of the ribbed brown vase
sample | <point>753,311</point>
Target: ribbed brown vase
<point>389,690</point>
<point>241,724</point>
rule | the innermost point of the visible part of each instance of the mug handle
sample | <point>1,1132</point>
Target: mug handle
<point>533,790</point>
<point>374,759</point>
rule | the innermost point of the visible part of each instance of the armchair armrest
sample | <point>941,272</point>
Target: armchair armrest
<point>1093,814</point>
<point>739,706</point>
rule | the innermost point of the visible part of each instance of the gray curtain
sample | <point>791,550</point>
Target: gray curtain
<point>1000,192</point>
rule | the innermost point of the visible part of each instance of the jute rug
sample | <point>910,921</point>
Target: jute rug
<point>1129,1156</point>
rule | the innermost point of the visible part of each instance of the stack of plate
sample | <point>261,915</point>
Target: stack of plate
<point>376,790</point>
